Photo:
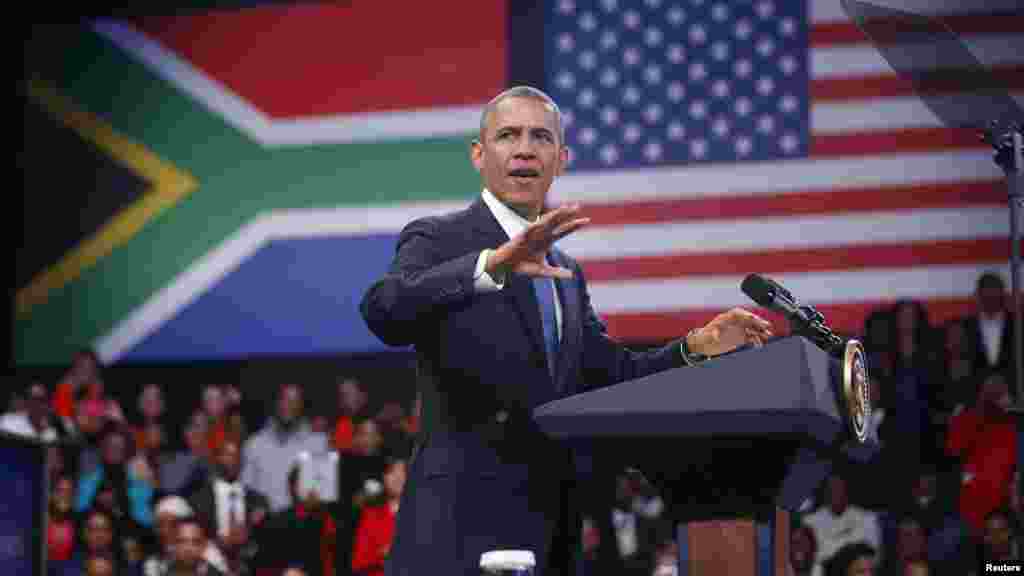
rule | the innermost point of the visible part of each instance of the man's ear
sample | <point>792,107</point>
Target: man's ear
<point>563,160</point>
<point>476,154</point>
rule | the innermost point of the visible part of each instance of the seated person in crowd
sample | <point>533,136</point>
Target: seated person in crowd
<point>854,559</point>
<point>33,420</point>
<point>169,511</point>
<point>61,537</point>
<point>187,554</point>
<point>1002,536</point>
<point>837,523</point>
<point>984,438</point>
<point>803,551</point>
<point>186,470</point>
<point>309,528</point>
<point>910,546</point>
<point>131,496</point>
<point>268,455</point>
<point>376,525</point>
<point>236,513</point>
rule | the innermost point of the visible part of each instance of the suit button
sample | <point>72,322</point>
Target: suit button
<point>501,417</point>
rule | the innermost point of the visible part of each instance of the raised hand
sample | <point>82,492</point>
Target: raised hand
<point>524,254</point>
<point>730,330</point>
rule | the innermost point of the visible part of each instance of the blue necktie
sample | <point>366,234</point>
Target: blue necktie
<point>543,288</point>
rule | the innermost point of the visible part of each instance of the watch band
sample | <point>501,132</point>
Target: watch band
<point>689,357</point>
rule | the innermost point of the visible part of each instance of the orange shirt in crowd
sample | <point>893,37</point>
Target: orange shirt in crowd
<point>987,449</point>
<point>373,537</point>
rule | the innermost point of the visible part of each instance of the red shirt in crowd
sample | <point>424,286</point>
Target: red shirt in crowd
<point>60,539</point>
<point>373,540</point>
<point>987,448</point>
<point>343,432</point>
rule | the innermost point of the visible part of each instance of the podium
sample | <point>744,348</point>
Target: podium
<point>24,498</point>
<point>733,444</point>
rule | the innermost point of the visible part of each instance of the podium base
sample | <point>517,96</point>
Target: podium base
<point>739,547</point>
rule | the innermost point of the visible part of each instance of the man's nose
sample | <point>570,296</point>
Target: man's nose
<point>525,148</point>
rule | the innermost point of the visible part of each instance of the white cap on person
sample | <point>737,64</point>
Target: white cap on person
<point>498,561</point>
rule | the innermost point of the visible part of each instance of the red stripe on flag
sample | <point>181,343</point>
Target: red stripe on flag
<point>1009,77</point>
<point>844,318</point>
<point>906,140</point>
<point>902,255</point>
<point>837,33</point>
<point>317,59</point>
<point>829,201</point>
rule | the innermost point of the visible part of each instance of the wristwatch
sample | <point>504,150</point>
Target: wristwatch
<point>691,358</point>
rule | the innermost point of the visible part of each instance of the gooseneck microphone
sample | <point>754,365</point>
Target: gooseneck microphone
<point>804,320</point>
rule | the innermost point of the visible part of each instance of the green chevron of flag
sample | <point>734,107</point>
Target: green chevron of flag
<point>206,181</point>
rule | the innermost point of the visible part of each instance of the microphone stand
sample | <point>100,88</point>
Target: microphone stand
<point>816,331</point>
<point>1008,141</point>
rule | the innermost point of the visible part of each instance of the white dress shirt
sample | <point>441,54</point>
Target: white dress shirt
<point>512,223</point>
<point>228,495</point>
<point>991,335</point>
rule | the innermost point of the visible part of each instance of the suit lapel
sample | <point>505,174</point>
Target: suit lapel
<point>519,288</point>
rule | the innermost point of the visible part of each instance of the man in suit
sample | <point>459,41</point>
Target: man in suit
<point>235,513</point>
<point>991,328</point>
<point>501,322</point>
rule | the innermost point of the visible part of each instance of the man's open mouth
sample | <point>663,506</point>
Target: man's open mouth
<point>524,173</point>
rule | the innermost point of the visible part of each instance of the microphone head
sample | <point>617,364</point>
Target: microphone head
<point>759,289</point>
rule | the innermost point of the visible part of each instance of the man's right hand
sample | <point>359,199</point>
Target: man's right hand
<point>524,253</point>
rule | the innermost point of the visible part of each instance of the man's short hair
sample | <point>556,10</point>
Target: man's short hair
<point>174,505</point>
<point>523,92</point>
<point>990,280</point>
<point>846,556</point>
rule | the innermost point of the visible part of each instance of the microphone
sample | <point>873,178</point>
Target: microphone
<point>770,294</point>
<point>804,320</point>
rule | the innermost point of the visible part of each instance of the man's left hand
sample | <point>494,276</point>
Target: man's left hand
<point>728,331</point>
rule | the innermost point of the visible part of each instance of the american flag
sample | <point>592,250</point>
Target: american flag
<point>713,139</point>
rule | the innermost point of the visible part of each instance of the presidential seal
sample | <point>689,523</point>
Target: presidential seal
<point>855,388</point>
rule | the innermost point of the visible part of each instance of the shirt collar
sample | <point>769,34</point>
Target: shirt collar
<point>224,483</point>
<point>509,220</point>
<point>990,320</point>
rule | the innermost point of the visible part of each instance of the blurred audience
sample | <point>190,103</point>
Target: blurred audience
<point>225,500</point>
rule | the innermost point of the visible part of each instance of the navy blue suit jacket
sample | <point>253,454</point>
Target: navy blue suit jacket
<point>483,476</point>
